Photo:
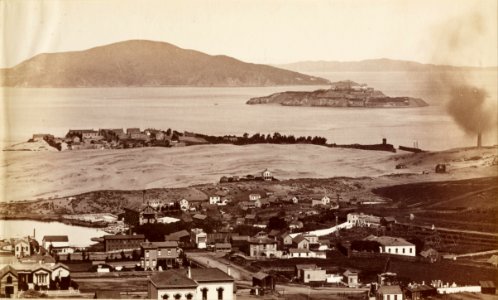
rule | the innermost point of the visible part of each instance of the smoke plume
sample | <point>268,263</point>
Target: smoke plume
<point>471,106</point>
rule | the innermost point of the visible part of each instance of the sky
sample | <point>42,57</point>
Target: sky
<point>261,31</point>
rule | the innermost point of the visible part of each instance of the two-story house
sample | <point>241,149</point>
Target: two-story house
<point>159,254</point>
<point>195,284</point>
<point>262,247</point>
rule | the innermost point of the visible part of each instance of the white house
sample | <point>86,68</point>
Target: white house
<point>195,284</point>
<point>59,243</point>
<point>266,174</point>
<point>254,197</point>
<point>363,220</point>
<point>214,199</point>
<point>22,248</point>
<point>394,245</point>
<point>155,203</point>
<point>184,205</point>
<point>199,237</point>
<point>322,201</point>
<point>389,292</point>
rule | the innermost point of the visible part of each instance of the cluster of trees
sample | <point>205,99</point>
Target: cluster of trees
<point>278,138</point>
<point>258,138</point>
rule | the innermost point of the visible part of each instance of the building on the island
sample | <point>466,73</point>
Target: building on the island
<point>195,284</point>
<point>159,254</point>
<point>254,197</point>
<point>394,245</point>
<point>42,136</point>
<point>84,134</point>
<point>262,247</point>
<point>198,237</point>
<point>184,205</point>
<point>266,175</point>
<point>130,131</point>
<point>22,248</point>
<point>57,244</point>
<point>351,278</point>
<point>215,199</point>
<point>389,292</point>
<point>123,242</point>
<point>285,239</point>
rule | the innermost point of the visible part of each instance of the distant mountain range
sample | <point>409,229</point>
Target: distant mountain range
<point>145,63</point>
<point>372,65</point>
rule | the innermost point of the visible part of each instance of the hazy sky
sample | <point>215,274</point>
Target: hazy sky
<point>459,32</point>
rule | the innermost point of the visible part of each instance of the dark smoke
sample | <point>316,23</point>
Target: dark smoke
<point>469,105</point>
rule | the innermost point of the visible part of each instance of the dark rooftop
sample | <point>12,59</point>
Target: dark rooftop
<point>56,238</point>
<point>210,275</point>
<point>172,279</point>
<point>124,237</point>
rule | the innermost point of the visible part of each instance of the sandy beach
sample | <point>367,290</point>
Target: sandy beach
<point>33,175</point>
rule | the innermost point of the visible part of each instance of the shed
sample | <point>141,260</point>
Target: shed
<point>488,287</point>
<point>263,280</point>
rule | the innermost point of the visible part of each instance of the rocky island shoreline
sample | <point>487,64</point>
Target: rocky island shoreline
<point>341,94</point>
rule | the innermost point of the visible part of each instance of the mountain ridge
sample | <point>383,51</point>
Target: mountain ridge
<point>145,63</point>
<point>372,65</point>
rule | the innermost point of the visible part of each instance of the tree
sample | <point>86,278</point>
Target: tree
<point>277,223</point>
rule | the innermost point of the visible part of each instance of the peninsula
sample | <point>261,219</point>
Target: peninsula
<point>143,63</point>
<point>341,94</point>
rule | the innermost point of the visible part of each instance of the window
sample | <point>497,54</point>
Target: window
<point>9,279</point>
<point>403,250</point>
<point>396,250</point>
<point>177,296</point>
<point>220,293</point>
<point>189,296</point>
<point>169,252</point>
<point>147,254</point>
<point>165,296</point>
<point>309,276</point>
<point>159,252</point>
<point>204,292</point>
<point>388,297</point>
<point>411,250</point>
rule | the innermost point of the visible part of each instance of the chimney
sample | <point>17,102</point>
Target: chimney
<point>228,271</point>
<point>384,141</point>
<point>189,273</point>
<point>479,139</point>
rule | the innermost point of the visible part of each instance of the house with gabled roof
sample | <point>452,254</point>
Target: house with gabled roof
<point>9,285</point>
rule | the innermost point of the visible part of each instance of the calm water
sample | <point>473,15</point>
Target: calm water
<point>223,111</point>
<point>78,236</point>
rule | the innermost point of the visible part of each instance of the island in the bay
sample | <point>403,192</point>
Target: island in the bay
<point>341,94</point>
